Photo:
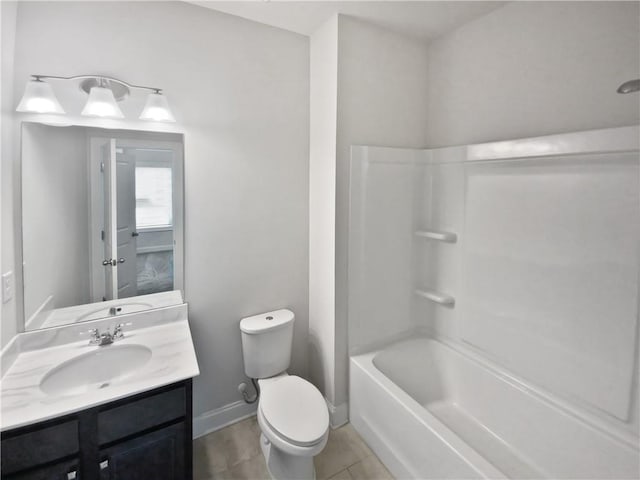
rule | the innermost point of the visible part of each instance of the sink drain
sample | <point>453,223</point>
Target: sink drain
<point>104,385</point>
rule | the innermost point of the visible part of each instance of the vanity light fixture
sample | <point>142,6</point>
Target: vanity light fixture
<point>38,97</point>
<point>102,103</point>
<point>157,108</point>
<point>104,93</point>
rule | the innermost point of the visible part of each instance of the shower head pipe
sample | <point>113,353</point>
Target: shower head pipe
<point>630,86</point>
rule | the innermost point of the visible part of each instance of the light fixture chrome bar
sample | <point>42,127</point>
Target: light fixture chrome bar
<point>100,77</point>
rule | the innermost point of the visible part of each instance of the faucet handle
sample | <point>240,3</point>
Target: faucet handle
<point>117,331</point>
<point>95,335</point>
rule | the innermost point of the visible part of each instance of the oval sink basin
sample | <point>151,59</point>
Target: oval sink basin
<point>123,308</point>
<point>94,370</point>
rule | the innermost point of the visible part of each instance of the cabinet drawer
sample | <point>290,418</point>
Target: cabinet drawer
<point>139,415</point>
<point>67,470</point>
<point>40,446</point>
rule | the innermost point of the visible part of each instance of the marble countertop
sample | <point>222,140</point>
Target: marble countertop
<point>165,332</point>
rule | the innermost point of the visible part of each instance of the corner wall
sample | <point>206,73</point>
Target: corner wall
<point>380,100</point>
<point>534,68</point>
<point>322,201</point>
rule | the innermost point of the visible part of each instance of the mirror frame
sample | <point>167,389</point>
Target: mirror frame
<point>128,134</point>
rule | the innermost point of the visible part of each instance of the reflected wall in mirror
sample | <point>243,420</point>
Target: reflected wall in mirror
<point>102,214</point>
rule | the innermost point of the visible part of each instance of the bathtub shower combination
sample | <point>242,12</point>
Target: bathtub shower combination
<point>493,307</point>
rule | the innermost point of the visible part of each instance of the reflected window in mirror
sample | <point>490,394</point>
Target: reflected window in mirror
<point>154,220</point>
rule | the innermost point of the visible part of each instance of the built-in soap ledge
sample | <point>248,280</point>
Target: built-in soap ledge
<point>448,237</point>
<point>437,297</point>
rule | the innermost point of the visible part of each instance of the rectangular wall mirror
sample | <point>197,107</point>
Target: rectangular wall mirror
<point>102,222</point>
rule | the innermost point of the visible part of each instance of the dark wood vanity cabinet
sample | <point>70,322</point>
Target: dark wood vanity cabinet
<point>143,437</point>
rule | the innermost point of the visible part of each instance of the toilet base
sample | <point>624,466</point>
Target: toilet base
<point>284,466</point>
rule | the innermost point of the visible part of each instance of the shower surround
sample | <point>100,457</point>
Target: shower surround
<point>493,307</point>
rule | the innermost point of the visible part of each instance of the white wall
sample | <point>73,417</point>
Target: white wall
<point>240,92</point>
<point>534,68</point>
<point>381,101</point>
<point>322,203</point>
<point>55,216</point>
<point>8,324</point>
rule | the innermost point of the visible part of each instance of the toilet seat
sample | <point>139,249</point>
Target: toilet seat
<point>295,410</point>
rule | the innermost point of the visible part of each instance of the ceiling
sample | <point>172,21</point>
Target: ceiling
<point>424,20</point>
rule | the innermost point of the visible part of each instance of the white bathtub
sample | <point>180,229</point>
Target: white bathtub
<point>432,411</point>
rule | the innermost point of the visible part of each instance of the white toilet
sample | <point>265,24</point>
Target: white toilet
<point>292,413</point>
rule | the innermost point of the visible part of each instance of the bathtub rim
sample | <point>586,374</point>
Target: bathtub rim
<point>625,438</point>
<point>465,452</point>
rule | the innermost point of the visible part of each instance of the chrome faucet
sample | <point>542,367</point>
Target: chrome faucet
<point>105,338</point>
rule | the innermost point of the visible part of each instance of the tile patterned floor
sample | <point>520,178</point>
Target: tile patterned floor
<point>233,453</point>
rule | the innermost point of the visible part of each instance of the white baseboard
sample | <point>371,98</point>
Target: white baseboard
<point>338,415</point>
<point>221,417</point>
<point>234,412</point>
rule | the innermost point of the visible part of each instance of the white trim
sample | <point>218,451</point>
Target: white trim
<point>155,249</point>
<point>231,413</point>
<point>111,222</point>
<point>339,415</point>
<point>37,319</point>
<point>606,140</point>
<point>9,354</point>
<point>165,228</point>
<point>221,417</point>
<point>620,139</point>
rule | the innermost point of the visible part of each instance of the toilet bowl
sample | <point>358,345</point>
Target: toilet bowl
<point>292,413</point>
<point>294,422</point>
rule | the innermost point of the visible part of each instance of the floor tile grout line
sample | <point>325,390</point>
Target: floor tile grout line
<point>354,463</point>
<point>362,459</point>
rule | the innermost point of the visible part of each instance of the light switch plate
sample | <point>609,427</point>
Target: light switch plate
<point>7,286</point>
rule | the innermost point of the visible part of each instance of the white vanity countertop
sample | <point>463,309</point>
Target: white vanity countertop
<point>172,359</point>
<point>93,311</point>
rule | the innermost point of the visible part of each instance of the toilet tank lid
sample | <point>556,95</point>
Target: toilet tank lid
<point>264,322</point>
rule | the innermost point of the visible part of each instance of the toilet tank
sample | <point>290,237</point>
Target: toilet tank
<point>266,343</point>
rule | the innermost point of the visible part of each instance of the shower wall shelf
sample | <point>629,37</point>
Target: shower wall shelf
<point>448,237</point>
<point>437,297</point>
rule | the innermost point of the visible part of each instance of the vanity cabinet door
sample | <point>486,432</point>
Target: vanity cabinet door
<point>158,455</point>
<point>62,471</point>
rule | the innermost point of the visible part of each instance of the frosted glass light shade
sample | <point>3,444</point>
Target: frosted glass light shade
<point>102,103</point>
<point>157,109</point>
<point>39,98</point>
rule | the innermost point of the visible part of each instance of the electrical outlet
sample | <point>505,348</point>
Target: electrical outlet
<point>7,286</point>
